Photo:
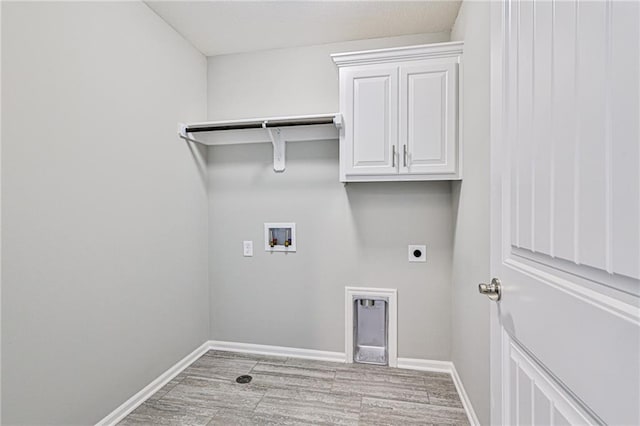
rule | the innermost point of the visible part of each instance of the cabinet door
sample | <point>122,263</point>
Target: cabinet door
<point>371,117</point>
<point>428,118</point>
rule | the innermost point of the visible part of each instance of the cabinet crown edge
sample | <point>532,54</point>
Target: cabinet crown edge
<point>395,54</point>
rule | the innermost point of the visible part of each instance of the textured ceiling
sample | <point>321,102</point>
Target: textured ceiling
<point>221,27</point>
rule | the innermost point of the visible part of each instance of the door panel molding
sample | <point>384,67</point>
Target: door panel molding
<point>591,276</point>
<point>548,401</point>
<point>611,305</point>
<point>569,174</point>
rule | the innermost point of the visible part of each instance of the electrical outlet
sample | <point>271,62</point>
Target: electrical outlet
<point>417,253</point>
<point>247,248</point>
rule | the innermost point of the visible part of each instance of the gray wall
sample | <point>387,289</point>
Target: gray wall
<point>294,81</point>
<point>470,311</point>
<point>354,235</point>
<point>104,268</point>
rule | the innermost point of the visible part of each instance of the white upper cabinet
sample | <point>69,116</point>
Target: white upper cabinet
<point>428,118</point>
<point>400,112</point>
<point>374,118</point>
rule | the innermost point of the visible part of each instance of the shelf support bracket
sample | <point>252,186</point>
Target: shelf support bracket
<point>337,121</point>
<point>279,148</point>
<point>182,132</point>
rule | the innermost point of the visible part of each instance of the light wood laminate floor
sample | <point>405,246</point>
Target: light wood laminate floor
<point>290,391</point>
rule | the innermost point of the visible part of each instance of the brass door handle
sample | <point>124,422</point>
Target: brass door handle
<point>493,290</point>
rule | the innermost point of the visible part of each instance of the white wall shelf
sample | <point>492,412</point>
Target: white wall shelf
<point>277,130</point>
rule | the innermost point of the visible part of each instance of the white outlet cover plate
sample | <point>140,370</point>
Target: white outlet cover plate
<point>423,253</point>
<point>247,248</point>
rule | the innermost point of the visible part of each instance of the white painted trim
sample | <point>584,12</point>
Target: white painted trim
<point>425,365</point>
<point>466,402</point>
<point>132,403</point>
<point>1,215</point>
<point>284,351</point>
<point>265,120</point>
<point>443,367</point>
<point>402,177</point>
<point>301,133</point>
<point>392,295</point>
<point>395,54</point>
<point>620,309</point>
<point>496,347</point>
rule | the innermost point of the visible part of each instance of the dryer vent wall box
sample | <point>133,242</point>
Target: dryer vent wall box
<point>280,237</point>
<point>401,115</point>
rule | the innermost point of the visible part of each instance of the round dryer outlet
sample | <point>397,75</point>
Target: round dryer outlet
<point>417,253</point>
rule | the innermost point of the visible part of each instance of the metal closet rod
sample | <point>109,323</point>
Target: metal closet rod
<point>260,125</point>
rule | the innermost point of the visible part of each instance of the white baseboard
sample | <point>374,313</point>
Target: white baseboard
<point>277,351</point>
<point>443,367</point>
<point>409,363</point>
<point>425,365</point>
<point>466,402</point>
<point>132,403</point>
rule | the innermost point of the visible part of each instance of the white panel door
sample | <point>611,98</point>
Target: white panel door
<point>565,195</point>
<point>371,117</point>
<point>428,117</point>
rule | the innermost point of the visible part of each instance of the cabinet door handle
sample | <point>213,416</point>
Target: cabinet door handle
<point>393,155</point>
<point>404,157</point>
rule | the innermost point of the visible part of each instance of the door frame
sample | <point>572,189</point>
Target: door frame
<point>496,158</point>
